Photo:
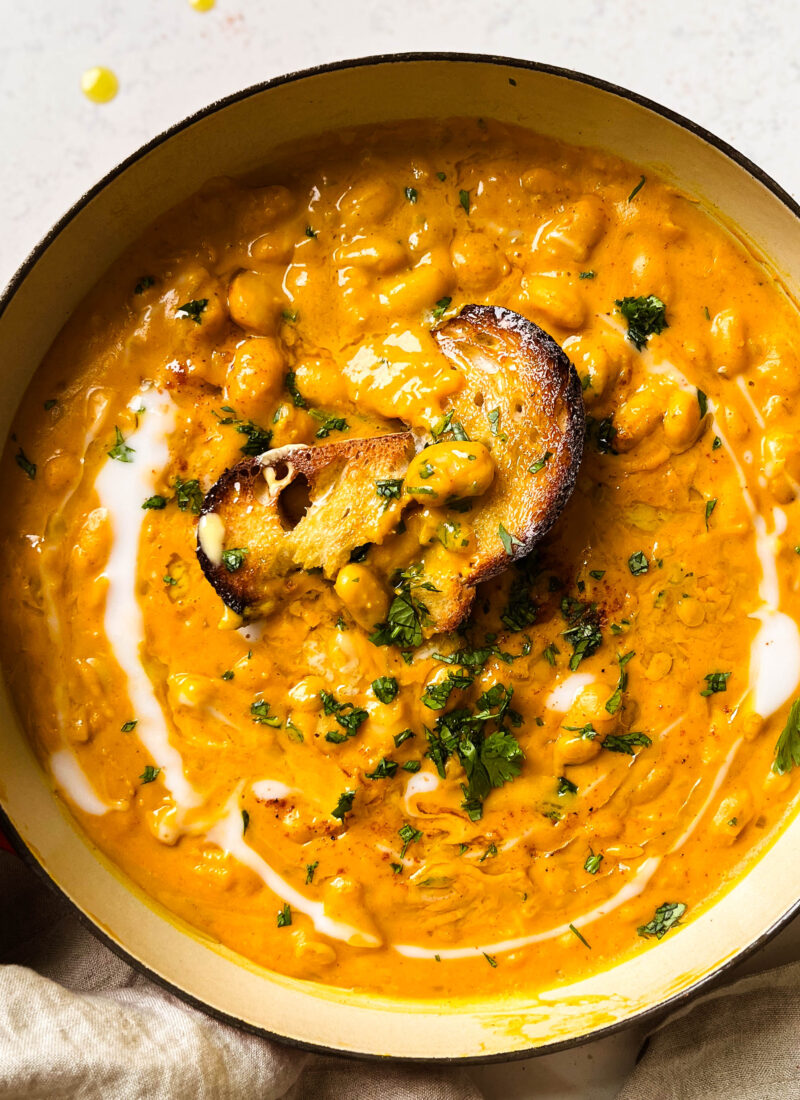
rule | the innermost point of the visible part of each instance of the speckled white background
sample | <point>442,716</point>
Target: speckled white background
<point>732,66</point>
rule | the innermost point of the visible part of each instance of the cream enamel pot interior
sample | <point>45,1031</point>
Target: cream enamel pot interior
<point>234,137</point>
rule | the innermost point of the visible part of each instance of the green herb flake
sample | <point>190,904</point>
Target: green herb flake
<point>587,275</point>
<point>290,316</point>
<point>597,574</point>
<point>409,835</point>
<point>715,446</point>
<point>638,564</point>
<point>593,861</point>
<point>637,188</point>
<point>710,506</point>
<point>332,424</point>
<point>412,766</point>
<point>715,682</point>
<point>702,401</point>
<point>155,503</point>
<point>149,774</point>
<point>227,675</point>
<point>646,316</point>
<point>258,439</point>
<point>312,233</point>
<point>613,703</point>
<point>463,198</point>
<point>344,805</point>
<point>29,467</point>
<point>50,403</point>
<point>385,688</point>
<point>411,194</point>
<point>787,749</point>
<point>144,284</point>
<point>168,580</point>
<point>310,869</point>
<point>491,960</point>
<point>508,541</point>
<point>129,726</point>
<point>665,917</point>
<point>399,738</point>
<point>193,310</point>
<point>540,463</point>
<point>575,932</point>
<point>441,308</point>
<point>566,786</point>
<point>290,382</point>
<point>285,916</point>
<point>245,821</point>
<point>625,742</point>
<point>233,559</point>
<point>120,451</point>
<point>188,495</point>
<point>259,712</point>
<point>441,176</point>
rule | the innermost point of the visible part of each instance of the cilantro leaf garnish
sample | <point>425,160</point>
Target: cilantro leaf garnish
<point>193,309</point>
<point>385,688</point>
<point>646,316</point>
<point>258,439</point>
<point>120,451</point>
<point>409,835</point>
<point>593,861</point>
<point>540,463</point>
<point>259,712</point>
<point>386,769</point>
<point>715,682</point>
<point>188,495</point>
<point>155,503</point>
<point>441,308</point>
<point>625,742</point>
<point>149,774</point>
<point>285,916</point>
<point>787,749</point>
<point>29,467</point>
<point>665,917</point>
<point>638,563</point>
<point>233,559</point>
<point>344,805</point>
<point>612,704</point>
<point>290,382</point>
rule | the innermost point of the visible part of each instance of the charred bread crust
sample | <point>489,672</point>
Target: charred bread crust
<point>342,510</point>
<point>538,394</point>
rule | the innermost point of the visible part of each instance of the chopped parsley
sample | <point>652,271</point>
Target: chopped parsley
<point>715,682</point>
<point>386,769</point>
<point>583,630</point>
<point>409,835</point>
<point>149,774</point>
<point>227,675</point>
<point>540,463</point>
<point>587,275</point>
<point>411,194</point>
<point>436,695</point>
<point>129,726</point>
<point>637,188</point>
<point>29,467</point>
<point>441,177</point>
<point>600,433</point>
<point>463,198</point>
<point>399,738</point>
<point>489,759</point>
<point>245,821</point>
<point>583,940</point>
<point>520,611</point>
<point>390,488</point>
<point>344,805</point>
<point>311,232</point>
<point>787,749</point>
<point>332,424</point>
<point>638,564</point>
<point>259,712</point>
<point>665,917</point>
<point>188,495</point>
<point>550,652</point>
<point>412,766</point>
<point>454,427</point>
<point>710,506</point>
<point>625,742</point>
<point>194,309</point>
<point>349,717</point>
<point>441,308</point>
<point>612,704</point>
<point>258,439</point>
<point>509,541</point>
<point>407,613</point>
<point>491,960</point>
<point>593,861</point>
<point>120,451</point>
<point>566,786</point>
<point>155,503</point>
<point>285,916</point>
<point>597,574</point>
<point>646,316</point>
<point>290,382</point>
<point>310,869</point>
<point>385,688</point>
<point>233,559</point>
<point>715,446</point>
<point>702,402</point>
<point>144,284</point>
<point>289,316</point>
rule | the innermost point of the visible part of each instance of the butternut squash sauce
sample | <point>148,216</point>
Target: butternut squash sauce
<point>273,783</point>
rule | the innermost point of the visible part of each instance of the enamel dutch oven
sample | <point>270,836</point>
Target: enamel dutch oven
<point>234,137</point>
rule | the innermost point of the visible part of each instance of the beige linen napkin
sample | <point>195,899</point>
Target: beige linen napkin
<point>77,1022</point>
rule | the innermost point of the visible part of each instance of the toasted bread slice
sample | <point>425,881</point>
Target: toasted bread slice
<point>297,507</point>
<point>521,397</point>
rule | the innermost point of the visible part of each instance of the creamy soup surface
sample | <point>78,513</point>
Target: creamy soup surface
<point>289,785</point>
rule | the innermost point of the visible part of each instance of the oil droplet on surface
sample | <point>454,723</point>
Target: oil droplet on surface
<point>99,84</point>
<point>202,5</point>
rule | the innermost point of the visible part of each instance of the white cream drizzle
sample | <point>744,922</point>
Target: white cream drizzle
<point>567,691</point>
<point>73,781</point>
<point>270,790</point>
<point>227,833</point>
<point>122,487</point>
<point>628,891</point>
<point>421,783</point>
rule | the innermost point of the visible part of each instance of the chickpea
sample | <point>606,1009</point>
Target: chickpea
<point>344,901</point>
<point>451,469</point>
<point>574,234</point>
<point>255,302</point>
<point>555,299</point>
<point>659,666</point>
<point>690,612</point>
<point>375,252</point>
<point>729,342</point>
<point>363,594</point>
<point>256,376</point>
<point>420,288</point>
<point>637,418</point>
<point>312,951</point>
<point>572,748</point>
<point>682,421</point>
<point>321,381</point>
<point>478,263</point>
